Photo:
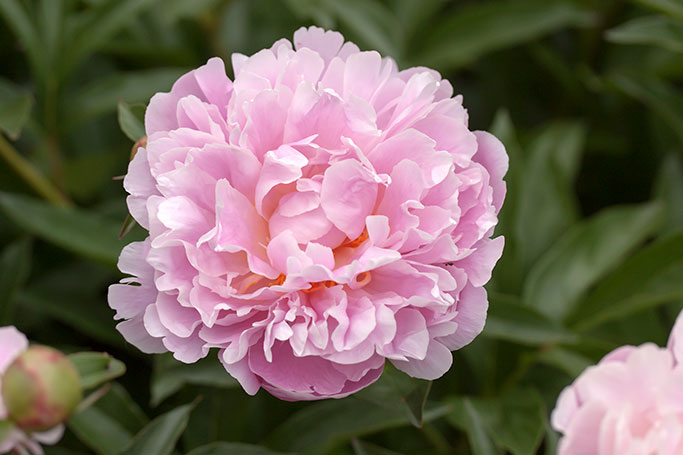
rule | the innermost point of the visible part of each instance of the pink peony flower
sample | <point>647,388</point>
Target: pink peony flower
<point>630,403</point>
<point>319,215</point>
<point>12,344</point>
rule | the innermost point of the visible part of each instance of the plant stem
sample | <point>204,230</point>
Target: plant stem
<point>31,175</point>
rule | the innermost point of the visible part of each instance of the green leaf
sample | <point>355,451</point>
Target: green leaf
<point>470,416</point>
<point>232,448</point>
<point>661,31</point>
<point>175,10</point>
<point>479,29</point>
<point>15,108</point>
<point>51,23</point>
<point>15,266</point>
<point>321,426</point>
<point>650,277</point>
<point>365,448</point>
<point>88,315</point>
<point>397,391</point>
<point>97,27</point>
<point>120,406</point>
<point>161,434</point>
<point>551,437</point>
<point>132,120</point>
<point>370,20</point>
<point>547,204</point>
<point>520,429</point>
<point>72,294</point>
<point>566,360</point>
<point>413,15</point>
<point>99,431</point>
<point>508,319</point>
<point>27,33</point>
<point>668,189</point>
<point>585,255</point>
<point>511,422</point>
<point>86,175</point>
<point>95,368</point>
<point>103,95</point>
<point>170,376</point>
<point>673,8</point>
<point>81,232</point>
<point>109,425</point>
<point>659,96</point>
<point>507,275</point>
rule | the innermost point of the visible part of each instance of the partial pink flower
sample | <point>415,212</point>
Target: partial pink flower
<point>12,344</point>
<point>630,403</point>
<point>319,215</point>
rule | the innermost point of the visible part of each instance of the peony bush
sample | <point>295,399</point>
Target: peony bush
<point>317,216</point>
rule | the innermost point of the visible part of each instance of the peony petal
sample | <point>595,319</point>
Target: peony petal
<point>12,344</point>
<point>471,317</point>
<point>280,167</point>
<point>348,195</point>
<point>160,113</point>
<point>479,264</point>
<point>676,339</point>
<point>582,435</point>
<point>135,332</point>
<point>326,43</point>
<point>310,374</point>
<point>240,228</point>
<point>436,362</point>
<point>491,154</point>
<point>567,405</point>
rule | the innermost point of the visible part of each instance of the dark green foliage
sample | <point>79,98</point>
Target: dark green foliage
<point>584,94</point>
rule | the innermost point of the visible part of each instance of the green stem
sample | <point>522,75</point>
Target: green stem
<point>31,175</point>
<point>92,398</point>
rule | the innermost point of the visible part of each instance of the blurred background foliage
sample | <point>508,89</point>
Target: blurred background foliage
<point>586,95</point>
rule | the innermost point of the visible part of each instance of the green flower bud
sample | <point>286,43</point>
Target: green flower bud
<point>40,389</point>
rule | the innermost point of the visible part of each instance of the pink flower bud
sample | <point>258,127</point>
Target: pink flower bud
<point>40,389</point>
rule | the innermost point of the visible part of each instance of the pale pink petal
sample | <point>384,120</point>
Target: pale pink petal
<point>480,263</point>
<point>567,405</point>
<point>208,82</point>
<point>348,195</point>
<point>12,344</point>
<point>280,167</point>
<point>49,437</point>
<point>491,154</point>
<point>581,436</point>
<point>676,339</point>
<point>436,363</point>
<point>136,333</point>
<point>470,317</point>
<point>326,43</point>
<point>239,227</point>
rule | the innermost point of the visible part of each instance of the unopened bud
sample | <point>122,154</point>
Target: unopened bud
<point>40,389</point>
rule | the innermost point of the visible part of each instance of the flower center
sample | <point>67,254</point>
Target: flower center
<point>362,278</point>
<point>358,241</point>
